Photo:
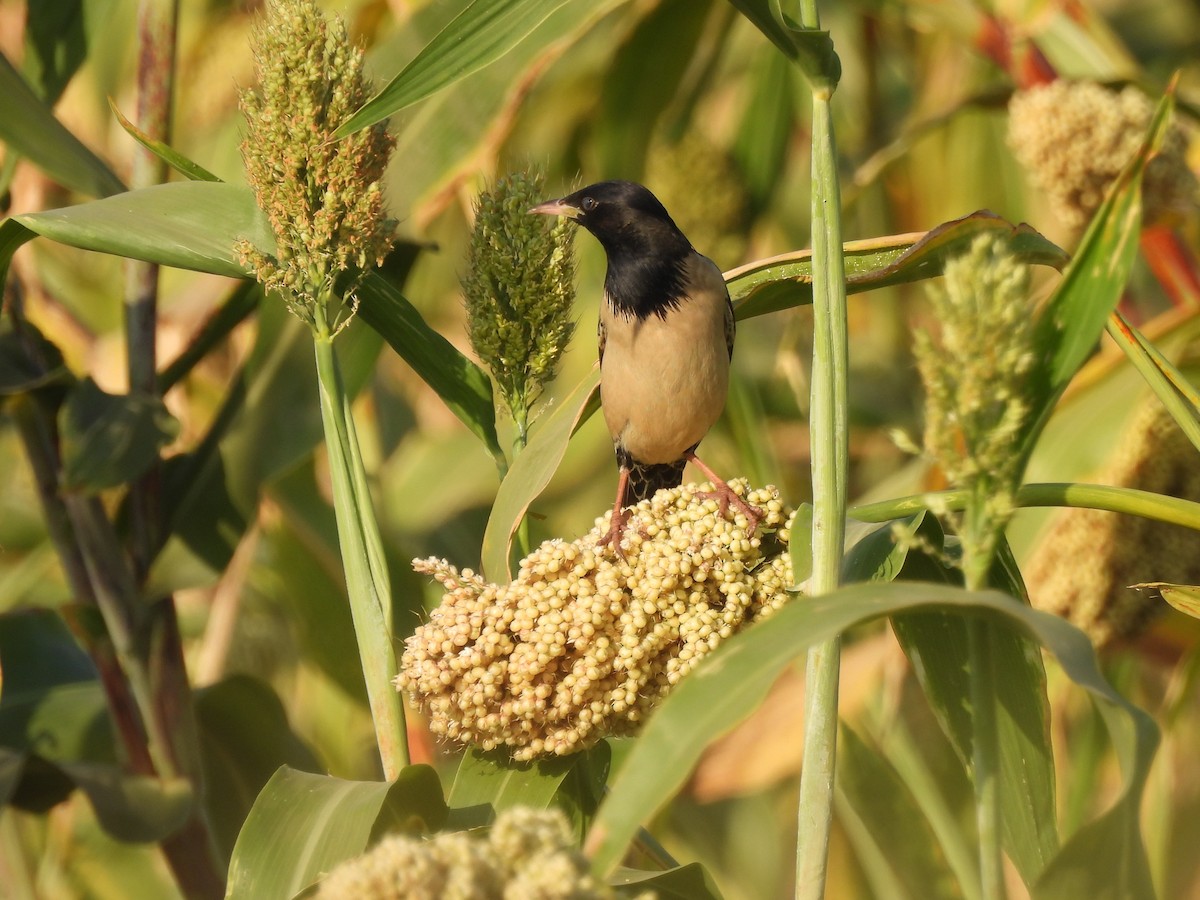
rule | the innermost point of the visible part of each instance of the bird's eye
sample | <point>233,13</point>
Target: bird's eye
<point>587,204</point>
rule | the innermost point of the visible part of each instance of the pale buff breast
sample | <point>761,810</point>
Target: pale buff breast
<point>663,382</point>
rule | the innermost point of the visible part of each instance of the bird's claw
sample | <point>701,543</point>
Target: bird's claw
<point>612,537</point>
<point>726,496</point>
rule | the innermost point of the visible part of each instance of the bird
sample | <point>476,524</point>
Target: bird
<point>665,335</point>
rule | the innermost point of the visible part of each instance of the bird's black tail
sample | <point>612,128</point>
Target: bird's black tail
<point>645,480</point>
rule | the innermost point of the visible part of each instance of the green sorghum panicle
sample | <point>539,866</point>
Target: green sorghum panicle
<point>322,196</point>
<point>518,289</point>
<point>975,374</point>
<point>580,645</point>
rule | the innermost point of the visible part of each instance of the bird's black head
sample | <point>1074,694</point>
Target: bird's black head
<point>625,217</point>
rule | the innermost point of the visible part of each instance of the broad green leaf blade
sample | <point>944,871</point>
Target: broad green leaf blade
<point>480,34</point>
<point>494,781</point>
<point>303,825</point>
<point>29,127</point>
<point>191,170</point>
<point>936,643</point>
<point>1070,325</point>
<point>111,439</point>
<point>532,470</point>
<point>872,800</point>
<point>462,385</point>
<point>187,225</point>
<point>244,738</point>
<point>1167,382</point>
<point>731,683</point>
<point>880,262</point>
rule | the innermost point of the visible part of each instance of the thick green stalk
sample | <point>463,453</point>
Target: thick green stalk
<point>367,580</point>
<point>828,429</point>
<point>980,533</point>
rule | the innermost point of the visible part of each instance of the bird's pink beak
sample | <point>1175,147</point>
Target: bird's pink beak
<point>556,208</point>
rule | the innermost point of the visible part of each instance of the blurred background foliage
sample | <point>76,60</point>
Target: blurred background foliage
<point>686,96</point>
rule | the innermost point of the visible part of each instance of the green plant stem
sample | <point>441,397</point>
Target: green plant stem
<point>367,581</point>
<point>830,459</point>
<point>1129,501</point>
<point>521,418</point>
<point>985,756</point>
<point>155,76</point>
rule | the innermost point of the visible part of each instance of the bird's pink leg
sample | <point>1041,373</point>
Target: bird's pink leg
<point>726,495</point>
<point>616,525</point>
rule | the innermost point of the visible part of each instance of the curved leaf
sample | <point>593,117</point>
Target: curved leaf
<point>731,682</point>
<point>30,128</point>
<point>187,225</point>
<point>303,825</point>
<point>532,470</point>
<point>111,439</point>
<point>480,34</point>
<point>172,157</point>
<point>879,262</point>
<point>462,385</point>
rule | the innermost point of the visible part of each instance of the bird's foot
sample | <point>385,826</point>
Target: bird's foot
<point>726,497</point>
<point>616,531</point>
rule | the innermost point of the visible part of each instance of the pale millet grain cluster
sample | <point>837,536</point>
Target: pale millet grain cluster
<point>1075,137</point>
<point>582,645</point>
<point>526,855</point>
<point>1087,559</point>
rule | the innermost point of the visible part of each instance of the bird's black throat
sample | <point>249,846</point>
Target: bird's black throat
<point>647,284</point>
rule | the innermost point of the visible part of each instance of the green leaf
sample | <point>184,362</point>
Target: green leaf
<point>873,800</point>
<point>111,439</point>
<point>479,35</point>
<point>303,825</point>
<point>1169,384</point>
<point>173,158</point>
<point>898,259</point>
<point>728,685</point>
<point>1070,325</point>
<point>488,782</point>
<point>766,129</point>
<point>936,644</point>
<point>55,736</point>
<point>29,128</point>
<point>56,43</point>
<point>811,49</point>
<point>244,739</point>
<point>187,225</point>
<point>642,80</point>
<point>532,470</point>
<point>19,373</point>
<point>462,385</point>
<point>690,882</point>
